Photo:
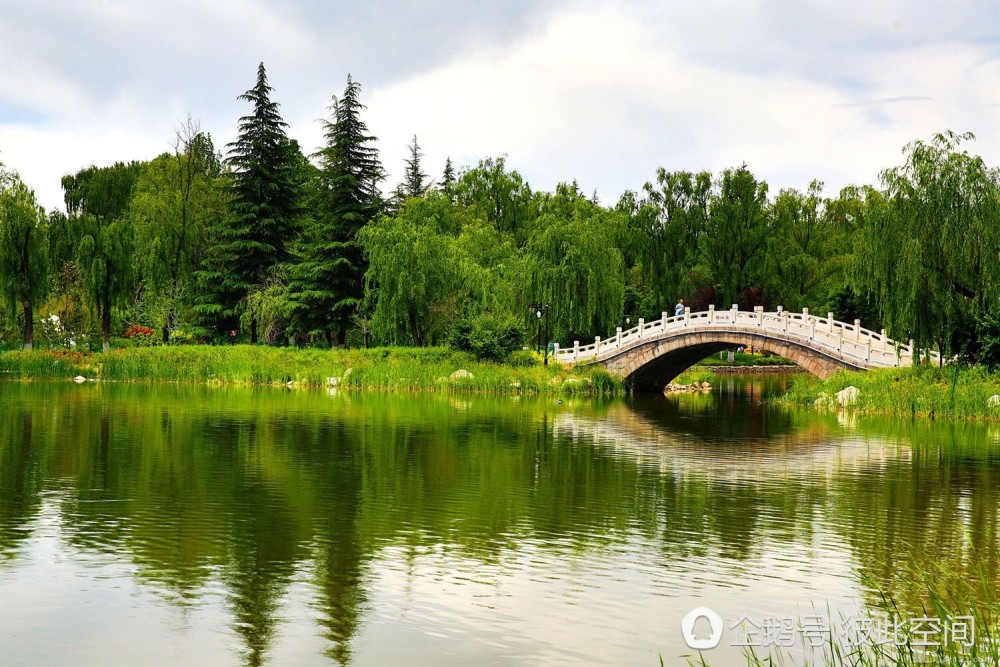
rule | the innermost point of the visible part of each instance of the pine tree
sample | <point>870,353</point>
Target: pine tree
<point>448,178</point>
<point>265,209</point>
<point>326,285</point>
<point>413,181</point>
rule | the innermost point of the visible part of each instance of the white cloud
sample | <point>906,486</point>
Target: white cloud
<point>604,92</point>
<point>598,95</point>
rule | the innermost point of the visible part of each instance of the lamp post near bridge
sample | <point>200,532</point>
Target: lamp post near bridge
<point>540,311</point>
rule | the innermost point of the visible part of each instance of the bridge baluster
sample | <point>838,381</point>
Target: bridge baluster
<point>735,311</point>
<point>642,323</point>
<point>576,349</point>
<point>618,336</point>
<point>829,320</point>
<point>857,329</point>
<point>711,313</point>
<point>687,315</point>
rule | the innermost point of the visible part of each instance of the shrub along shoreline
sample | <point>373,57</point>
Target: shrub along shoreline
<point>926,393</point>
<point>409,369</point>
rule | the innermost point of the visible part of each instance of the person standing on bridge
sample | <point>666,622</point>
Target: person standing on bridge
<point>679,308</point>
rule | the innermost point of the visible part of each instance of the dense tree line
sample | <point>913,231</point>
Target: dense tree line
<point>265,243</point>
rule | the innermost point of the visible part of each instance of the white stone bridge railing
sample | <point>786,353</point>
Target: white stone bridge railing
<point>825,334</point>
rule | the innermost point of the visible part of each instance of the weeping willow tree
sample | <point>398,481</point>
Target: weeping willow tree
<point>24,247</point>
<point>575,267</point>
<point>96,199</point>
<point>663,229</point>
<point>929,247</point>
<point>414,273</point>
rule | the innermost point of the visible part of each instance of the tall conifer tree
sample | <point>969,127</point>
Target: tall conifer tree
<point>326,285</point>
<point>266,207</point>
<point>448,178</point>
<point>413,181</point>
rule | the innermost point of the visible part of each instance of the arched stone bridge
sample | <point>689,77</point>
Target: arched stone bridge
<point>653,353</point>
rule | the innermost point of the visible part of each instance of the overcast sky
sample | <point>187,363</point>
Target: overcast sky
<point>603,92</point>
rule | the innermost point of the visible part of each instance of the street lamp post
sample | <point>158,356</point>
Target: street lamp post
<point>545,356</point>
<point>539,310</point>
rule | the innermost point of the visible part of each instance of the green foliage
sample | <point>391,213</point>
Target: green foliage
<point>737,231</point>
<point>421,369</point>
<point>326,282</point>
<point>24,251</point>
<point>500,197</point>
<point>266,207</point>
<point>574,266</point>
<point>927,250</point>
<point>448,178</point>
<point>416,273</point>
<point>810,250</point>
<point>488,336</point>
<point>177,199</point>
<point>413,178</point>
<point>97,198</point>
<point>664,228</point>
<point>907,392</point>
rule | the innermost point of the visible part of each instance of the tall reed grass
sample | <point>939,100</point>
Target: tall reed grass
<point>924,392</point>
<point>38,365</point>
<point>411,369</point>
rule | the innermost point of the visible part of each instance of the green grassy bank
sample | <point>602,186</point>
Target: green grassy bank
<point>925,392</point>
<point>415,369</point>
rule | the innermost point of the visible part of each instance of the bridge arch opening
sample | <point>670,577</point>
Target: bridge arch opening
<point>651,366</point>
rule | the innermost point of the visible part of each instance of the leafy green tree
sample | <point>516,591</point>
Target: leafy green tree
<point>24,251</point>
<point>574,266</point>
<point>929,248</point>
<point>177,199</point>
<point>499,196</point>
<point>663,232</point>
<point>96,199</point>
<point>806,260</point>
<point>415,275</point>
<point>326,284</point>
<point>737,230</point>
<point>265,190</point>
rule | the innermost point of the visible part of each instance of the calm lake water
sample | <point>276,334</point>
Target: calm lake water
<point>173,525</point>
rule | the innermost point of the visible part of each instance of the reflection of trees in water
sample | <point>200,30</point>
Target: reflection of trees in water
<point>264,486</point>
<point>927,522</point>
<point>917,504</point>
<point>20,480</point>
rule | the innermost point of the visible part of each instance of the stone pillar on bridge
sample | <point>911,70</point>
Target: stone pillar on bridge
<point>759,311</point>
<point>687,315</point>
<point>576,349</point>
<point>597,345</point>
<point>663,321</point>
<point>857,330</point>
<point>711,313</point>
<point>735,311</point>
<point>829,320</point>
<point>618,336</point>
<point>555,351</point>
<point>642,323</point>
